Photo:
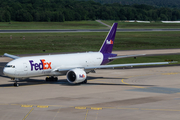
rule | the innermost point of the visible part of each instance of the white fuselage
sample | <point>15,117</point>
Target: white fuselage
<point>47,65</point>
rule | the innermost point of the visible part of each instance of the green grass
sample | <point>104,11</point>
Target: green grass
<point>128,25</point>
<point>81,42</point>
<point>52,25</point>
<point>83,25</point>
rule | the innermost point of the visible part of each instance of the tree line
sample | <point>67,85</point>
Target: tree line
<point>74,10</point>
<point>158,3</point>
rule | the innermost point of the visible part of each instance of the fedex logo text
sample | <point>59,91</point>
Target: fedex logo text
<point>109,42</point>
<point>40,66</point>
<point>82,76</point>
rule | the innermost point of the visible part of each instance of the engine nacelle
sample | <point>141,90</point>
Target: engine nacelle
<point>76,76</point>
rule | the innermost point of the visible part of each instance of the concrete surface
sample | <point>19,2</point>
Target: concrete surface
<point>118,94</point>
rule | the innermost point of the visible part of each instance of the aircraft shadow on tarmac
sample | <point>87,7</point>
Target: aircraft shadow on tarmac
<point>64,82</point>
<point>4,76</point>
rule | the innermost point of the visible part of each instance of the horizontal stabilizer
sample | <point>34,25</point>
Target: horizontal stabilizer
<point>125,56</point>
<point>11,56</point>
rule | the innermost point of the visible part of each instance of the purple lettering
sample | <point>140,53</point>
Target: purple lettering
<point>31,62</point>
<point>36,66</point>
<point>39,66</point>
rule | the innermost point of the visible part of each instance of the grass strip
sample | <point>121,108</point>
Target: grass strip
<point>52,25</point>
<point>135,25</point>
<point>28,43</point>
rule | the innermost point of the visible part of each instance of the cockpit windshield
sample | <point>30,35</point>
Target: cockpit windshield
<point>10,66</point>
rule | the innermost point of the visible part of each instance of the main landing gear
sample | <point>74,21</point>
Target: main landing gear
<point>52,78</point>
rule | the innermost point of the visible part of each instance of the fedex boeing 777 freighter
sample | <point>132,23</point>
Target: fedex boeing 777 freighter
<point>74,66</point>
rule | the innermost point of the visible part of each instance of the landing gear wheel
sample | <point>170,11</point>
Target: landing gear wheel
<point>16,84</point>
<point>47,79</point>
<point>51,79</point>
<point>55,79</point>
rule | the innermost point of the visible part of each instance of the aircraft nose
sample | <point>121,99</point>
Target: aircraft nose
<point>5,71</point>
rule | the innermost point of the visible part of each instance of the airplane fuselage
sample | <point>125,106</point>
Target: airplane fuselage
<point>47,65</point>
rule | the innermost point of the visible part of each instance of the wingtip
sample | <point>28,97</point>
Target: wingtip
<point>173,62</point>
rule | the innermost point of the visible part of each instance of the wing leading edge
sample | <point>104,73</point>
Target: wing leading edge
<point>113,66</point>
<point>126,65</point>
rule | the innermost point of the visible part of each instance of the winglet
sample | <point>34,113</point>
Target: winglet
<point>11,56</point>
<point>109,41</point>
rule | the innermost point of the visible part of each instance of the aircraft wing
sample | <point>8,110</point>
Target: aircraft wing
<point>126,65</point>
<point>112,66</point>
<point>126,56</point>
<point>11,56</point>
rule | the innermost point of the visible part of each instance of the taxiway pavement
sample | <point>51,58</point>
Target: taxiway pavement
<point>118,94</point>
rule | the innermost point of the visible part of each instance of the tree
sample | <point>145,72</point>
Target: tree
<point>77,16</point>
<point>23,15</point>
<point>61,17</point>
<point>7,16</point>
<point>163,17</point>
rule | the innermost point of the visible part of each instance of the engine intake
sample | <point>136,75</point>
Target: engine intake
<point>76,76</point>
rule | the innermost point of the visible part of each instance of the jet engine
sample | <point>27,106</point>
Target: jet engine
<point>76,76</point>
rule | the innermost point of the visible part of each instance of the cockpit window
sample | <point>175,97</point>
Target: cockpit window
<point>10,66</point>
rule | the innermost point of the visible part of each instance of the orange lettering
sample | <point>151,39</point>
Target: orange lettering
<point>43,61</point>
<point>49,65</point>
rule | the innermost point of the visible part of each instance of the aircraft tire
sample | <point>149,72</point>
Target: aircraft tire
<point>55,79</point>
<point>16,84</point>
<point>47,79</point>
<point>51,79</point>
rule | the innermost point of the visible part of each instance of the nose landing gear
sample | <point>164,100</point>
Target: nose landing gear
<point>16,82</point>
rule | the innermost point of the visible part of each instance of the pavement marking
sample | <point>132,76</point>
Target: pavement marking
<point>57,113</point>
<point>96,115</point>
<point>93,108</point>
<point>26,105</point>
<point>170,73</point>
<point>28,113</point>
<point>42,106</point>
<point>80,108</point>
<point>131,85</point>
<point>128,108</point>
<point>160,110</point>
<point>86,114</point>
<point>104,82</point>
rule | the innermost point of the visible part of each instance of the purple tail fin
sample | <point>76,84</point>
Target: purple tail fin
<point>109,41</point>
